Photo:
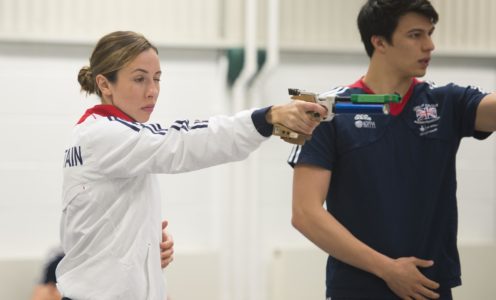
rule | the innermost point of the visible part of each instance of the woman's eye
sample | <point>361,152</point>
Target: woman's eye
<point>139,79</point>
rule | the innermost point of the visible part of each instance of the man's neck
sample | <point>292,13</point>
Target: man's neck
<point>383,80</point>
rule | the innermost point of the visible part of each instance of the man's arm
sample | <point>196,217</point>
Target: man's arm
<point>310,187</point>
<point>486,114</point>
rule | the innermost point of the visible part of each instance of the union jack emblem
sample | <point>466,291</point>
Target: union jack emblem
<point>426,112</point>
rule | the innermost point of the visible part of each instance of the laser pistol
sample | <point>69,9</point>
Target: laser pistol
<point>351,104</point>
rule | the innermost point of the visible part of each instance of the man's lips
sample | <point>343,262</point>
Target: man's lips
<point>425,61</point>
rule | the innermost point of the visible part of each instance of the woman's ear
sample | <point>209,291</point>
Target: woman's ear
<point>103,85</point>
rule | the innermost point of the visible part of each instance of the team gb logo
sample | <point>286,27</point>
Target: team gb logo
<point>426,113</point>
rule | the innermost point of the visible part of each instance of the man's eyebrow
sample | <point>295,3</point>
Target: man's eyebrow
<point>422,29</point>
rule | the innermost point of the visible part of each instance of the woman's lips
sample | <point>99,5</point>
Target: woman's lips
<point>148,108</point>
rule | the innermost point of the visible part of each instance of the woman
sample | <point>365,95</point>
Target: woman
<point>46,289</point>
<point>111,202</point>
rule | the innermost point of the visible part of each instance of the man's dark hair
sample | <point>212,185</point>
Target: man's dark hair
<point>380,18</point>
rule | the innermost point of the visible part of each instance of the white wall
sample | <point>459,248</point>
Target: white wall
<point>41,101</point>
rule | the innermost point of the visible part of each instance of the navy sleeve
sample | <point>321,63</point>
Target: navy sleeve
<point>318,151</point>
<point>468,100</point>
<point>261,124</point>
<point>49,271</point>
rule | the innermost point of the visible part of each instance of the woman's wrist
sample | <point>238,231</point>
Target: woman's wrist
<point>260,118</point>
<point>272,115</point>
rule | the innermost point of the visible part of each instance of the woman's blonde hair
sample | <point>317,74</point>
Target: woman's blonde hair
<point>112,52</point>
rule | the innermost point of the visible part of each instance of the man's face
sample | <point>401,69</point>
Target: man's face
<point>411,45</point>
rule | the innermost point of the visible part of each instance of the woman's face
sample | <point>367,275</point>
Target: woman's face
<point>136,89</point>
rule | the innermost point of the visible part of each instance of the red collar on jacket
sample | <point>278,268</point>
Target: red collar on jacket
<point>105,110</point>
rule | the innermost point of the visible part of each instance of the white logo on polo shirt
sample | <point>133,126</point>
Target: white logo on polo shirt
<point>364,121</point>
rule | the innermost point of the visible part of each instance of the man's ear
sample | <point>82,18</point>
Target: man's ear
<point>379,43</point>
<point>103,85</point>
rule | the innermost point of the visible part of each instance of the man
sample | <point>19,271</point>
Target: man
<point>389,182</point>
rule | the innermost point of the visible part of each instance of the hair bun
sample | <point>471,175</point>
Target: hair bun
<point>86,80</point>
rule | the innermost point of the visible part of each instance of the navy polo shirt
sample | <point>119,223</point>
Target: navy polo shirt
<point>394,181</point>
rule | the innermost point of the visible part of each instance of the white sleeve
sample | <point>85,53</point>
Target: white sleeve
<point>124,149</point>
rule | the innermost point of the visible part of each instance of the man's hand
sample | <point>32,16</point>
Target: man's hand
<point>166,246</point>
<point>297,115</point>
<point>406,281</point>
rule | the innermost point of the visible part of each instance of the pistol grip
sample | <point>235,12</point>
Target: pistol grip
<point>289,135</point>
